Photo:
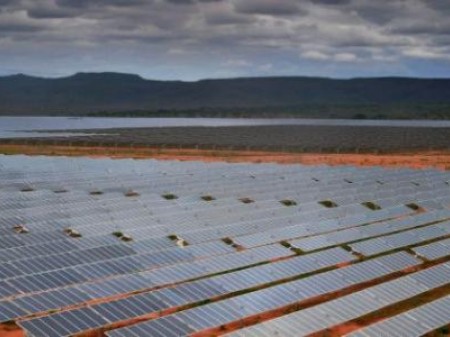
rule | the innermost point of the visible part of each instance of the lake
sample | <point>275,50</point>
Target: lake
<point>15,127</point>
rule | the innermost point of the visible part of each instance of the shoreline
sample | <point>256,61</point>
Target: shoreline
<point>417,160</point>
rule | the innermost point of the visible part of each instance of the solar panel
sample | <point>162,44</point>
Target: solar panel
<point>189,293</point>
<point>342,309</point>
<point>62,256</point>
<point>56,325</point>
<point>416,322</point>
<point>260,301</point>
<point>394,241</point>
<point>434,250</point>
<point>367,231</point>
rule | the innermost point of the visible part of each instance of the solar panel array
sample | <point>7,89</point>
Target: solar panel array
<point>416,322</point>
<point>167,248</point>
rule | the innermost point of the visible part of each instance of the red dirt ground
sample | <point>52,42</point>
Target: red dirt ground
<point>440,160</point>
<point>7,330</point>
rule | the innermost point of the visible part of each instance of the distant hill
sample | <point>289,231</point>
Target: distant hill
<point>114,93</point>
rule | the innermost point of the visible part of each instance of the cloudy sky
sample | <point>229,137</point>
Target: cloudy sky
<point>192,39</point>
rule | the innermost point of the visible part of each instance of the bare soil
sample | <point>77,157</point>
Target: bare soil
<point>11,330</point>
<point>417,160</point>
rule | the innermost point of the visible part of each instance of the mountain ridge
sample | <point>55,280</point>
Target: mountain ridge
<point>86,93</point>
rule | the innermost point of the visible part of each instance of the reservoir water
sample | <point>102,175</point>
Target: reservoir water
<point>14,127</point>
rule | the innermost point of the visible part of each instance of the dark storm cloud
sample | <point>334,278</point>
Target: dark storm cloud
<point>220,18</point>
<point>331,2</point>
<point>90,3</point>
<point>268,7</point>
<point>430,28</point>
<point>181,2</point>
<point>440,5</point>
<point>43,12</point>
<point>9,28</point>
<point>382,14</point>
<point>231,36</point>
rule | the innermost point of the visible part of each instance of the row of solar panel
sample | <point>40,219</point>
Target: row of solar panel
<point>403,239</point>
<point>13,240</point>
<point>86,166</point>
<point>368,231</point>
<point>147,201</point>
<point>110,184</point>
<point>235,230</point>
<point>313,231</point>
<point>112,254</point>
<point>413,323</point>
<point>188,293</point>
<point>346,308</point>
<point>270,192</point>
<point>255,303</point>
<point>118,168</point>
<point>240,182</point>
<point>170,274</point>
<point>142,262</point>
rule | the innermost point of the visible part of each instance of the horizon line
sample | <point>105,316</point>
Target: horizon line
<point>19,74</point>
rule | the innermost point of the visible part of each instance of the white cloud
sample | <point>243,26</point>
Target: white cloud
<point>345,57</point>
<point>428,53</point>
<point>322,56</point>
<point>236,63</point>
<point>315,55</point>
<point>240,33</point>
<point>266,67</point>
<point>177,51</point>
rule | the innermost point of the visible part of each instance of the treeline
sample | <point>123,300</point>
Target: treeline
<point>334,111</point>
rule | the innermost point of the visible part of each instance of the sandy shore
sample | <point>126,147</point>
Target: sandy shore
<point>424,159</point>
